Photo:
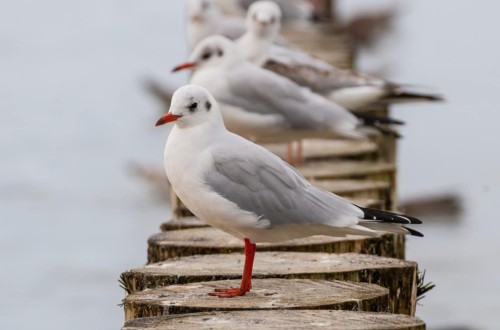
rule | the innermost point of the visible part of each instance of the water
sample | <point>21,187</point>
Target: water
<point>74,116</point>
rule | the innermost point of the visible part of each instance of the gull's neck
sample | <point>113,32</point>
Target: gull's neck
<point>255,48</point>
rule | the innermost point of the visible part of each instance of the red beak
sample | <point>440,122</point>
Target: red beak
<point>167,119</point>
<point>184,66</point>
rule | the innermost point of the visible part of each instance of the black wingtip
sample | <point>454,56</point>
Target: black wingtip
<point>388,217</point>
<point>387,131</point>
<point>413,232</point>
<point>372,120</point>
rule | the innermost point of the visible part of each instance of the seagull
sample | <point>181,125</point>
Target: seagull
<point>293,10</point>
<point>245,190</point>
<point>205,19</point>
<point>351,89</point>
<point>260,100</point>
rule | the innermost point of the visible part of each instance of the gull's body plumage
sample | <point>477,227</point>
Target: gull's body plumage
<point>242,188</point>
<point>248,192</point>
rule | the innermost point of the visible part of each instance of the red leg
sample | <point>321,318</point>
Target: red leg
<point>289,153</point>
<point>246,280</point>
<point>300,149</point>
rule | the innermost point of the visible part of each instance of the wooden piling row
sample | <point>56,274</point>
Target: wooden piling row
<point>334,283</point>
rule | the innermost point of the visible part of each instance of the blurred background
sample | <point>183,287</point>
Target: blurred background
<point>74,118</point>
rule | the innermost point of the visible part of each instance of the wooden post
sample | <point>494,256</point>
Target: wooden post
<point>323,9</point>
<point>202,241</point>
<point>398,276</point>
<point>269,294</point>
<point>284,320</point>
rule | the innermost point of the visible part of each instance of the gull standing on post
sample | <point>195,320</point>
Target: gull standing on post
<point>351,89</point>
<point>248,192</point>
<point>254,94</point>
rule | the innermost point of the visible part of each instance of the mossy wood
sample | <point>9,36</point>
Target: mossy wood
<point>208,240</point>
<point>398,276</point>
<point>268,294</point>
<point>283,320</point>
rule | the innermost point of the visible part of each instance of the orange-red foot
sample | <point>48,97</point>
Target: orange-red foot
<point>228,292</point>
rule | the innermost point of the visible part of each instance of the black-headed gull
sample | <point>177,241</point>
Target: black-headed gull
<point>205,19</point>
<point>351,89</point>
<point>293,10</point>
<point>248,192</point>
<point>257,99</point>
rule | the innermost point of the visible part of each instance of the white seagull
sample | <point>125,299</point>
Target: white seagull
<point>351,89</point>
<point>205,19</point>
<point>293,10</point>
<point>259,101</point>
<point>248,192</point>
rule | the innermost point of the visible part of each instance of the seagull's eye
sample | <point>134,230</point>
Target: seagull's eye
<point>254,17</point>
<point>193,106</point>
<point>205,5</point>
<point>206,56</point>
<point>220,52</point>
<point>273,20</point>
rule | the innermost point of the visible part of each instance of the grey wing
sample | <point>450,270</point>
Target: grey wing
<point>315,73</point>
<point>258,90</point>
<point>259,182</point>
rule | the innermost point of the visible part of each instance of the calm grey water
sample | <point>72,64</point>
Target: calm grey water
<point>73,117</point>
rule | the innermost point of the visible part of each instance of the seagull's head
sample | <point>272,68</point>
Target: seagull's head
<point>201,10</point>
<point>264,19</point>
<point>213,52</point>
<point>192,106</point>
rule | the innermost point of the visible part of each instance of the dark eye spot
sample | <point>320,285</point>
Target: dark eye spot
<point>193,106</point>
<point>205,5</point>
<point>220,52</point>
<point>254,17</point>
<point>273,20</point>
<point>206,56</point>
<point>208,105</point>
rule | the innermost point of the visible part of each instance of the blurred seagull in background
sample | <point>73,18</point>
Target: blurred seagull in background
<point>248,192</point>
<point>205,19</point>
<point>293,10</point>
<point>258,101</point>
<point>351,89</point>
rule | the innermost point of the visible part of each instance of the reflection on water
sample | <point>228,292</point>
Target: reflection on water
<point>74,117</point>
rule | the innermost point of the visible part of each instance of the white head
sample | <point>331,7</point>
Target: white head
<point>216,52</point>
<point>264,19</point>
<point>201,11</point>
<point>192,106</point>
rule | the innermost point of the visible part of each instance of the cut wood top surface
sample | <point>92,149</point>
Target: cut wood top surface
<point>343,169</point>
<point>271,264</point>
<point>287,319</point>
<point>183,223</point>
<point>212,237</point>
<point>265,294</point>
